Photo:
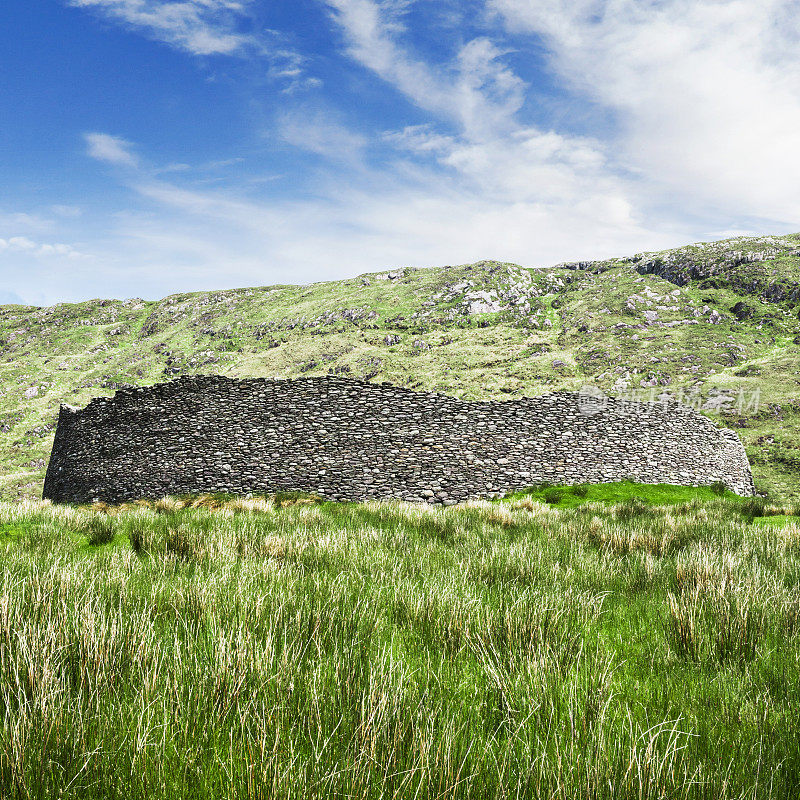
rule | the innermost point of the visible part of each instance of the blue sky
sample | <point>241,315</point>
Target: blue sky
<point>150,147</point>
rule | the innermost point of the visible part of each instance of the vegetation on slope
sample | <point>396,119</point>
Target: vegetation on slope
<point>214,647</point>
<point>706,319</point>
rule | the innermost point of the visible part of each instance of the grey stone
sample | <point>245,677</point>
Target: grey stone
<point>354,440</point>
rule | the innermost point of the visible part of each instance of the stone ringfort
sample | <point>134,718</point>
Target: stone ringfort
<point>353,440</point>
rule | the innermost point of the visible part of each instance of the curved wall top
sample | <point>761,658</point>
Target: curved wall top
<point>353,440</point>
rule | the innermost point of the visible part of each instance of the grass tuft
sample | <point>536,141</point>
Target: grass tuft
<point>99,528</point>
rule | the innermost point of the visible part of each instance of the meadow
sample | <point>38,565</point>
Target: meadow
<point>586,643</point>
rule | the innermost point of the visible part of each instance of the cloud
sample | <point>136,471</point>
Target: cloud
<point>485,84</point>
<point>350,230</point>
<point>111,149</point>
<point>320,132</point>
<point>527,165</point>
<point>22,244</point>
<point>477,91</point>
<point>24,221</point>
<point>706,95</point>
<point>495,171</point>
<point>473,182</point>
<point>200,27</point>
<point>438,199</point>
<point>67,212</point>
<point>290,67</point>
<point>209,28</point>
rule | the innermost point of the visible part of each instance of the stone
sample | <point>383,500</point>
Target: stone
<point>482,303</point>
<point>354,440</point>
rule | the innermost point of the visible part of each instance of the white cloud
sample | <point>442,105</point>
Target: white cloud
<point>420,139</point>
<point>320,132</point>
<point>527,165</point>
<point>112,149</point>
<point>477,91</point>
<point>485,84</point>
<point>67,212</point>
<point>498,173</point>
<point>208,28</point>
<point>22,244</point>
<point>706,94</point>
<point>24,221</point>
<point>491,187</point>
<point>201,27</point>
<point>290,67</point>
<point>527,196</point>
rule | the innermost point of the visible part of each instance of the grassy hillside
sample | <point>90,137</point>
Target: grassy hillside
<point>707,319</point>
<point>271,648</point>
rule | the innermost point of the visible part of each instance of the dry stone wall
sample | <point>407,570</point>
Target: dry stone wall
<point>353,440</point>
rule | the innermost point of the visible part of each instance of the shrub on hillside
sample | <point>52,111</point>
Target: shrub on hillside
<point>552,496</point>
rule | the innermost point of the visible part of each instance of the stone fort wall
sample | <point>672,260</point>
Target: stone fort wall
<point>353,440</point>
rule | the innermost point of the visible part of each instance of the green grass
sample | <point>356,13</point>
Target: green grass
<point>620,492</point>
<point>229,647</point>
<point>779,520</point>
<point>9,532</point>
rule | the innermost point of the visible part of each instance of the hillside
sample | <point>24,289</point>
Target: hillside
<point>717,321</point>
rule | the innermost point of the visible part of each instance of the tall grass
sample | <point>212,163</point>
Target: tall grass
<point>259,649</point>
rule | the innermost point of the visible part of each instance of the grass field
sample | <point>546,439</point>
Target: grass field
<point>633,644</point>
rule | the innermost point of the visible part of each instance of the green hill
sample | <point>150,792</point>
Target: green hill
<point>716,322</point>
